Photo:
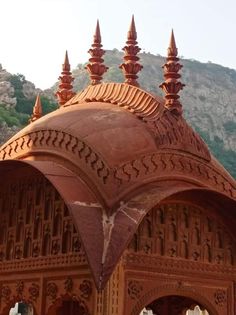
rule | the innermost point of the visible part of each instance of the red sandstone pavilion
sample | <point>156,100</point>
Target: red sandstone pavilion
<point>112,203</point>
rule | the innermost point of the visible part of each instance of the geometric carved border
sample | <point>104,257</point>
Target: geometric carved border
<point>169,164</point>
<point>60,141</point>
<point>160,163</point>
<point>167,265</point>
<point>63,261</point>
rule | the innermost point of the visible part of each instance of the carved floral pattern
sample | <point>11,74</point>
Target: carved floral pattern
<point>86,289</point>
<point>134,289</point>
<point>52,290</point>
<point>220,297</point>
<point>34,291</point>
<point>5,292</point>
<point>68,284</point>
<point>19,287</point>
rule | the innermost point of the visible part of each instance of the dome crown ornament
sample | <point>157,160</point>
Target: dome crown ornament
<point>37,110</point>
<point>64,92</point>
<point>95,67</point>
<point>171,86</point>
<point>131,67</point>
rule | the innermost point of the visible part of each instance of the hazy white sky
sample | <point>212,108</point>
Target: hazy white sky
<point>35,33</point>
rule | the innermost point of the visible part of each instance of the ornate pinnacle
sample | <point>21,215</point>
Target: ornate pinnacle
<point>37,110</point>
<point>95,67</point>
<point>64,92</point>
<point>131,67</point>
<point>171,86</point>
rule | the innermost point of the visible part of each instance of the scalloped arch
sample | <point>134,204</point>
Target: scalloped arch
<point>173,289</point>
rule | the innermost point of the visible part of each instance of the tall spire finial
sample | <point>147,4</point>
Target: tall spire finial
<point>64,92</point>
<point>171,86</point>
<point>131,67</point>
<point>172,49</point>
<point>37,110</point>
<point>95,67</point>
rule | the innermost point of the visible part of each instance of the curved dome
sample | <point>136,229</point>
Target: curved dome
<point>117,137</point>
<point>113,152</point>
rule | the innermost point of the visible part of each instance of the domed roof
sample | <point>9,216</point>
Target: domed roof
<point>128,150</point>
<point>115,134</point>
<point>113,151</point>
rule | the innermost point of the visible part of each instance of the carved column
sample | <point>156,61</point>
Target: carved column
<point>111,300</point>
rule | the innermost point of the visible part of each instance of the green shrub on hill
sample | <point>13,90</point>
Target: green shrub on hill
<point>12,118</point>
<point>226,157</point>
<point>23,105</point>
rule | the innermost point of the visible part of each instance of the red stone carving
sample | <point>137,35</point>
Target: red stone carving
<point>68,284</point>
<point>172,85</point>
<point>86,289</point>
<point>115,165</point>
<point>35,236</point>
<point>19,287</point>
<point>183,231</point>
<point>220,297</point>
<point>37,110</point>
<point>52,290</point>
<point>34,291</point>
<point>134,289</point>
<point>131,67</point>
<point>95,67</point>
<point>64,92</point>
<point>5,293</point>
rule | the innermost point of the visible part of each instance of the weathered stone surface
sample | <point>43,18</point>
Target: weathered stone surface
<point>29,90</point>
<point>7,132</point>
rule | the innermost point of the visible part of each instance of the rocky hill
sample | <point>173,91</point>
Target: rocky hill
<point>209,98</point>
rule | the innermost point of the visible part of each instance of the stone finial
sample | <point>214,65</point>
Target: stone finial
<point>171,86</point>
<point>131,67</point>
<point>95,67</point>
<point>37,110</point>
<point>64,92</point>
